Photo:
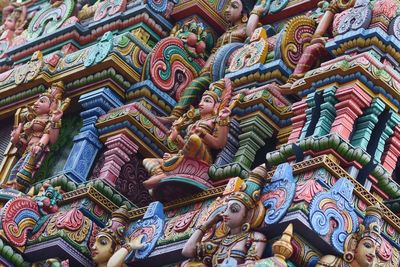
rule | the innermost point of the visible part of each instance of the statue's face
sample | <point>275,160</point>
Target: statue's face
<point>42,105</point>
<point>233,12</point>
<point>10,23</point>
<point>207,105</point>
<point>102,250</point>
<point>235,214</point>
<point>365,255</point>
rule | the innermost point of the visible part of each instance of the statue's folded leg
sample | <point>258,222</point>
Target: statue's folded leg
<point>196,149</point>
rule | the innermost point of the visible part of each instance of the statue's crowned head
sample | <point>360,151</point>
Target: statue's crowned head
<point>110,237</point>
<point>362,246</point>
<point>249,196</point>
<point>115,228</point>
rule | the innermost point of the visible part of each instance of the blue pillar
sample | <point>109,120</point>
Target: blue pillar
<point>86,143</point>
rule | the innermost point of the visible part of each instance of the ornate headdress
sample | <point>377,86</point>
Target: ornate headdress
<point>115,228</point>
<point>249,194</point>
<point>372,224</point>
<point>55,92</point>
<point>371,227</point>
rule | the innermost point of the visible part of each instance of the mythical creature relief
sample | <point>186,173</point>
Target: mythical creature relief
<point>36,128</point>
<point>205,132</point>
<point>48,199</point>
<point>28,214</point>
<point>360,248</point>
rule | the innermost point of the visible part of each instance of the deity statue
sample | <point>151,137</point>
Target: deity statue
<point>14,20</point>
<point>316,50</point>
<point>360,248</point>
<point>111,247</point>
<point>37,127</point>
<point>234,238</point>
<point>205,132</point>
<point>243,20</point>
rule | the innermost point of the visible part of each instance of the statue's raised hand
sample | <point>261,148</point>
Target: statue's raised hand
<point>56,115</point>
<point>224,113</point>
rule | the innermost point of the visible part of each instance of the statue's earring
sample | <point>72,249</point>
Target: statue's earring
<point>245,18</point>
<point>349,256</point>
<point>245,227</point>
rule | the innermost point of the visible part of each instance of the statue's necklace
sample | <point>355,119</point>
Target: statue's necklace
<point>231,239</point>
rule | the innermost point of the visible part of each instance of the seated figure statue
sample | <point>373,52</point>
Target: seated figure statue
<point>204,133</point>
<point>38,128</point>
<point>110,247</point>
<point>238,241</point>
<point>243,17</point>
<point>360,248</point>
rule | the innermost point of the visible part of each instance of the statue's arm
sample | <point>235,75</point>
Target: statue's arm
<point>189,250</point>
<point>219,139</point>
<point>257,248</point>
<point>254,18</point>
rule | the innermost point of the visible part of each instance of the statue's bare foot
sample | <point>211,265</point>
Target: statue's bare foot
<point>153,181</point>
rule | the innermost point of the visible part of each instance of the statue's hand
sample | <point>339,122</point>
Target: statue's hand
<point>137,243</point>
<point>167,156</point>
<point>224,113</point>
<point>36,149</point>
<point>15,134</point>
<point>173,134</point>
<point>213,221</point>
<point>261,7</point>
<point>319,40</point>
<point>57,115</point>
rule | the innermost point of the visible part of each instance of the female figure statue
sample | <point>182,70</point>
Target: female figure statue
<point>243,20</point>
<point>244,212</point>
<point>39,128</point>
<point>110,247</point>
<point>14,20</point>
<point>208,132</point>
<point>360,248</point>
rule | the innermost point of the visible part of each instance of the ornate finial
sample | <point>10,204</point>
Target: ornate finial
<point>283,248</point>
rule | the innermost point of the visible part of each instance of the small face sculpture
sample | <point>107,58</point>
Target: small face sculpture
<point>102,250</point>
<point>365,252</point>
<point>42,105</point>
<point>235,214</point>
<point>10,23</point>
<point>234,11</point>
<point>206,105</point>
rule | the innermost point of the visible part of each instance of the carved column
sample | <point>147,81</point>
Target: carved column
<point>298,120</point>
<point>392,152</point>
<point>254,132</point>
<point>328,112</point>
<point>366,124</point>
<point>352,100</point>
<point>119,148</point>
<point>86,143</point>
<point>309,114</point>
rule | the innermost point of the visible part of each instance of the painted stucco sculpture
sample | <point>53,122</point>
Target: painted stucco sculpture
<point>36,129</point>
<point>234,238</point>
<point>206,131</point>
